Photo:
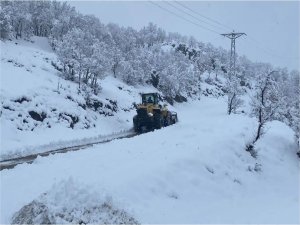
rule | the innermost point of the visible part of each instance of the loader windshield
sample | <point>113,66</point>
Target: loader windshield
<point>149,98</point>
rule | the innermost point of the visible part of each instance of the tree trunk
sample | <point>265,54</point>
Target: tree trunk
<point>114,67</point>
<point>260,126</point>
<point>79,80</point>
<point>86,77</point>
<point>258,133</point>
<point>21,29</point>
<point>230,104</point>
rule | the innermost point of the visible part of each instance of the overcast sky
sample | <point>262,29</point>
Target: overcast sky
<point>272,28</point>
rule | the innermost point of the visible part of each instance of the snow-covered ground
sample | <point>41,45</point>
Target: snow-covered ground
<point>195,171</point>
<point>41,111</point>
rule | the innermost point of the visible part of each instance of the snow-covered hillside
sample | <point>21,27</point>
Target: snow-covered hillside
<point>196,171</point>
<point>41,110</point>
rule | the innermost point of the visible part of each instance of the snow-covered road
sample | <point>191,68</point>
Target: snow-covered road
<point>196,171</point>
<point>81,145</point>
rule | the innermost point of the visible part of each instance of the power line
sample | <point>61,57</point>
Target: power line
<point>269,51</point>
<point>212,20</point>
<point>256,43</point>
<point>203,21</point>
<point>196,24</point>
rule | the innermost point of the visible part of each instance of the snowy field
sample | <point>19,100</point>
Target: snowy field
<point>196,171</point>
<point>38,107</point>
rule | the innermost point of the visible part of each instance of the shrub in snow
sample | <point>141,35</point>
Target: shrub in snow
<point>250,148</point>
<point>69,202</point>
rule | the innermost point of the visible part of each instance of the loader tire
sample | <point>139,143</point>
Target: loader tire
<point>175,120</point>
<point>158,122</point>
<point>136,126</point>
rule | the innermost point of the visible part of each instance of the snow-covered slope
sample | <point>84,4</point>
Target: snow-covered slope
<point>40,110</point>
<point>196,171</point>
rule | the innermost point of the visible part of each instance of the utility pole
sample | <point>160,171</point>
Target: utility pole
<point>232,36</point>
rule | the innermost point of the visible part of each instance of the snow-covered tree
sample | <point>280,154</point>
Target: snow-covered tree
<point>101,62</point>
<point>20,18</point>
<point>266,101</point>
<point>84,57</point>
<point>5,27</point>
<point>41,17</point>
<point>291,114</point>
<point>294,120</point>
<point>177,76</point>
<point>150,35</point>
<point>117,59</point>
<point>63,21</point>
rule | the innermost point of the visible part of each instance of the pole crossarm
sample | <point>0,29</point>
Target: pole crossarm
<point>233,35</point>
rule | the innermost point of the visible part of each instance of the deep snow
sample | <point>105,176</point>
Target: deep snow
<point>196,171</point>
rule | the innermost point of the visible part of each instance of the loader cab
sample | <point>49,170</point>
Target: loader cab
<point>150,98</point>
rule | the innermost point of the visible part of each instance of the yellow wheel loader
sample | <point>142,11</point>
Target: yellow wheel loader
<point>152,115</point>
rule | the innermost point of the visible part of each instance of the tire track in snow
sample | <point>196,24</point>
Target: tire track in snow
<point>11,163</point>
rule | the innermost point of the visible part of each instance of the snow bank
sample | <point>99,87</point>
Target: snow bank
<point>72,202</point>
